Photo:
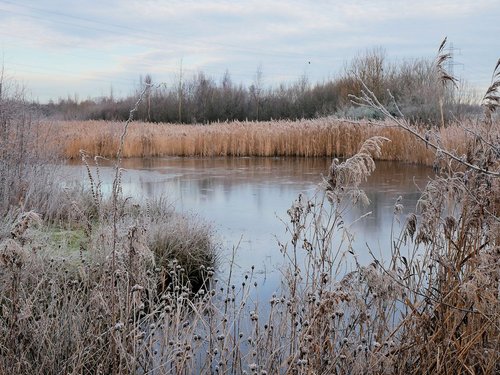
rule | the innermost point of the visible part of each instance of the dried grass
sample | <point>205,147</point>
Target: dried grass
<point>306,138</point>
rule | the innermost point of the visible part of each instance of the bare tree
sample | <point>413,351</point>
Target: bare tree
<point>256,90</point>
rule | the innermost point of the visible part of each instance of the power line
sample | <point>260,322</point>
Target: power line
<point>67,72</point>
<point>146,34</point>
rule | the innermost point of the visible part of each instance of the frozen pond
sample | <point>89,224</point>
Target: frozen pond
<point>245,198</point>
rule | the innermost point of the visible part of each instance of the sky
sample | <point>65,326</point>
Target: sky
<point>88,48</point>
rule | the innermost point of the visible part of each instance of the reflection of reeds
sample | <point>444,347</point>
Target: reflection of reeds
<point>310,138</point>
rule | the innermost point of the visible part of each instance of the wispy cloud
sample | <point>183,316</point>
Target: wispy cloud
<point>116,40</point>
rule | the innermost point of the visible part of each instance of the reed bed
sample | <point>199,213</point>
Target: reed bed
<point>323,137</point>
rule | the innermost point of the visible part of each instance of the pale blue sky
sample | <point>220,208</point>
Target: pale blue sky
<point>58,48</point>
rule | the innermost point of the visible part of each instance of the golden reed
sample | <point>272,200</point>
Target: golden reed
<point>304,138</point>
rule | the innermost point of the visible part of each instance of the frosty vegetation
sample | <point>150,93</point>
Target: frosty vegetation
<point>93,284</point>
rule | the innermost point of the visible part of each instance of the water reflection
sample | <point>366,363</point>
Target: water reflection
<point>244,197</point>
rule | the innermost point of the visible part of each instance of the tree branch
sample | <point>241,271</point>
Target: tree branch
<point>368,98</point>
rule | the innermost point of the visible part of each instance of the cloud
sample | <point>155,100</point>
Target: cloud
<point>126,38</point>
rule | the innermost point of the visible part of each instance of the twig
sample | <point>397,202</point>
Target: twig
<point>369,99</point>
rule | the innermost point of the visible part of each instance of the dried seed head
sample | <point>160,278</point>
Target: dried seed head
<point>12,254</point>
<point>137,288</point>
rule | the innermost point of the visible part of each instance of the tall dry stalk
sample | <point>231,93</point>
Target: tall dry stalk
<point>443,76</point>
<point>115,196</point>
<point>491,99</point>
<point>451,278</point>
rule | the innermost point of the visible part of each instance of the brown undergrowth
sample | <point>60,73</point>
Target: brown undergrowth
<point>306,138</point>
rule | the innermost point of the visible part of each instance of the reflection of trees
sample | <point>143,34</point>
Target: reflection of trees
<point>382,207</point>
<point>397,176</point>
<point>389,181</point>
<point>206,187</point>
<point>205,177</point>
<point>244,193</point>
<point>148,187</point>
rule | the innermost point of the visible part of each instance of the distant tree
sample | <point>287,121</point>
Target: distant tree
<point>148,81</point>
<point>201,98</point>
<point>256,90</point>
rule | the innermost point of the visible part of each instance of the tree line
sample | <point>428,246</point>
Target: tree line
<point>412,84</point>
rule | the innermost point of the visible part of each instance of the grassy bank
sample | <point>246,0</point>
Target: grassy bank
<point>67,276</point>
<point>309,138</point>
<point>70,257</point>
